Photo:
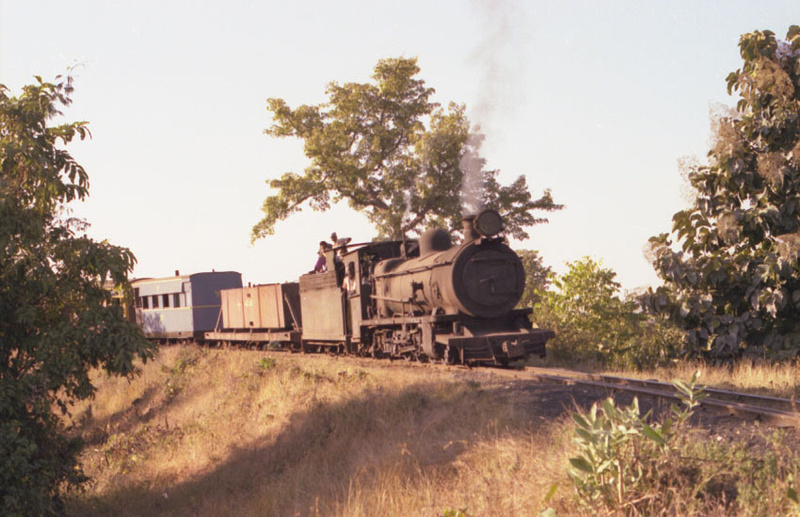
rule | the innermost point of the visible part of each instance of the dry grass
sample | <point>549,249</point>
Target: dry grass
<point>780,380</point>
<point>213,432</point>
<point>235,432</point>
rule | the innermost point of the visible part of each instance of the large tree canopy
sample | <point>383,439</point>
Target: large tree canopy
<point>731,274</point>
<point>56,318</point>
<point>394,155</point>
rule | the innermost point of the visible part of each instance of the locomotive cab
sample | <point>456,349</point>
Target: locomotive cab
<point>341,301</point>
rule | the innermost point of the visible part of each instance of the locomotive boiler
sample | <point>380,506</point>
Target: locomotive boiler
<point>482,278</point>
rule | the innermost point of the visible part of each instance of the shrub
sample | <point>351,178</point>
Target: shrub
<point>592,322</point>
<point>622,457</point>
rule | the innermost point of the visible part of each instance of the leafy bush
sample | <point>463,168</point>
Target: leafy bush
<point>629,466</point>
<point>592,321</point>
<point>622,457</point>
<point>266,364</point>
<point>537,277</point>
<point>178,374</point>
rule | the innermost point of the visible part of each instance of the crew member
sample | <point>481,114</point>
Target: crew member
<point>350,282</point>
<point>322,262</point>
<point>340,244</point>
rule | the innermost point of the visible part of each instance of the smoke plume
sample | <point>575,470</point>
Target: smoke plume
<point>499,60</point>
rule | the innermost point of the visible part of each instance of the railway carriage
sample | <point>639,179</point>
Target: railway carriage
<point>181,306</point>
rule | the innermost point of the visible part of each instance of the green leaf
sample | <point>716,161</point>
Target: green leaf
<point>586,435</point>
<point>581,421</point>
<point>550,493</point>
<point>581,464</point>
<point>653,434</point>
<point>609,409</point>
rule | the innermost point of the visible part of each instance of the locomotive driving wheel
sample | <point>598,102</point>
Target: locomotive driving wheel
<point>448,355</point>
<point>414,353</point>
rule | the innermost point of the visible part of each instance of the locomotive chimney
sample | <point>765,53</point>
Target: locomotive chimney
<point>468,226</point>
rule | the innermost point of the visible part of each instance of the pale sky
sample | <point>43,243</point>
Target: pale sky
<point>597,101</point>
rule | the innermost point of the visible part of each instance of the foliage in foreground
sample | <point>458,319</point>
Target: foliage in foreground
<point>623,457</point>
<point>394,155</point>
<point>56,318</point>
<point>593,322</point>
<point>730,266</point>
<point>629,465</point>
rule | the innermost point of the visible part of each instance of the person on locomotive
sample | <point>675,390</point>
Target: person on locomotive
<point>349,283</point>
<point>322,262</point>
<point>340,244</point>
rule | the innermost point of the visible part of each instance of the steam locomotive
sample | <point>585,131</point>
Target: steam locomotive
<point>423,299</point>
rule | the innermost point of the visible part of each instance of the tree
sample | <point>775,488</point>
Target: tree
<point>537,277</point>
<point>394,155</point>
<point>56,319</point>
<point>730,269</point>
<point>593,322</point>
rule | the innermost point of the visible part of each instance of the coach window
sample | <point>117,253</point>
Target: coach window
<point>165,301</point>
<point>144,302</point>
<point>176,300</point>
<point>155,301</point>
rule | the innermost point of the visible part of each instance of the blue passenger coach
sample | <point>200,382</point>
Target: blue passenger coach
<point>181,306</point>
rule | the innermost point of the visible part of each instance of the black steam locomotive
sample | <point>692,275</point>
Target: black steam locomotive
<point>424,299</point>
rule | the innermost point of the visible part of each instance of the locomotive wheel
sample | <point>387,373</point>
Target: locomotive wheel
<point>413,356</point>
<point>444,358</point>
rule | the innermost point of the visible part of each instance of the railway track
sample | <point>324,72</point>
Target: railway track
<point>772,410</point>
<point>776,411</point>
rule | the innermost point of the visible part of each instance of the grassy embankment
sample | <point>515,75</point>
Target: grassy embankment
<point>214,432</point>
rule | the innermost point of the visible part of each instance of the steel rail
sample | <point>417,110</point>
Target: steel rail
<point>789,405</point>
<point>778,417</point>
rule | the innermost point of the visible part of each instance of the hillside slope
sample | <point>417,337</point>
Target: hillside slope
<point>238,432</point>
